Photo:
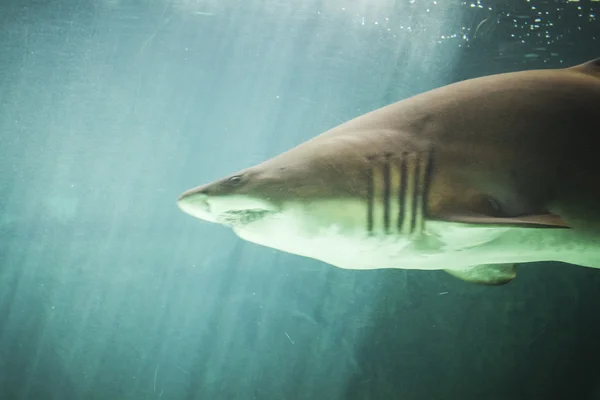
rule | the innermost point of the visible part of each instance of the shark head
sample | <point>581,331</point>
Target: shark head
<point>231,201</point>
<point>318,201</point>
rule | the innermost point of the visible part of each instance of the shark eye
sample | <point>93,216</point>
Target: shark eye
<point>235,180</point>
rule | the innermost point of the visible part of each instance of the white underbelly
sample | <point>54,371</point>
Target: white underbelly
<point>445,245</point>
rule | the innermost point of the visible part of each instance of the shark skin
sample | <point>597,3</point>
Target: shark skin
<point>470,178</point>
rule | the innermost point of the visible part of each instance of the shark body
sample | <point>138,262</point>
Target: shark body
<point>470,178</point>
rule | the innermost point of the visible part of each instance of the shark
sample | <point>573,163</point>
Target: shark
<point>471,178</point>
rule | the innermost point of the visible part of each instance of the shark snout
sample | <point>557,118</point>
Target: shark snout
<point>195,203</point>
<point>195,193</point>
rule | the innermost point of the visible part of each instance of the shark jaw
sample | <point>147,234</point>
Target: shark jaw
<point>234,211</point>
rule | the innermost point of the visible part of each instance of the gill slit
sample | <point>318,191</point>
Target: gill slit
<point>370,195</point>
<point>402,192</point>
<point>412,174</point>
<point>386,194</point>
<point>425,179</point>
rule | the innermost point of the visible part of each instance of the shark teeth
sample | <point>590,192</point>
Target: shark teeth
<point>242,217</point>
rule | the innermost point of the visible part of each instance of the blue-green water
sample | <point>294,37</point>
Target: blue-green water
<point>109,109</point>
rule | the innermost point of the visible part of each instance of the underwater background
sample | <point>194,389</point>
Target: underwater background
<point>109,109</point>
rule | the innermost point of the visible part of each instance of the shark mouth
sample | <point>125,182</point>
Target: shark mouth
<point>242,217</point>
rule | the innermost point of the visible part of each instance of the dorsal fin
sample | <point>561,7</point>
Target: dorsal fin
<point>591,67</point>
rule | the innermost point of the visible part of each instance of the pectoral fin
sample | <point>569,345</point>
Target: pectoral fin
<point>533,221</point>
<point>487,274</point>
<point>482,209</point>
